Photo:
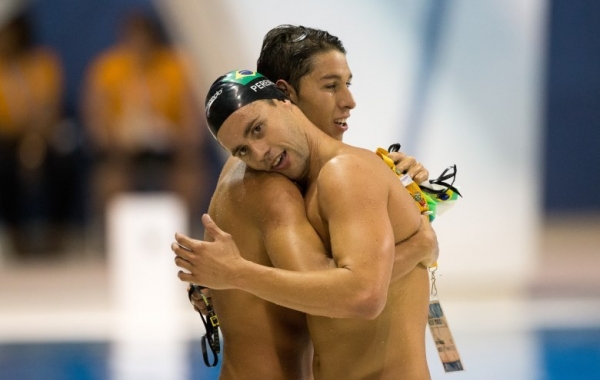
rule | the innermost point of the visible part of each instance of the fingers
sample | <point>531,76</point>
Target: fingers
<point>199,306</point>
<point>211,227</point>
<point>414,170</point>
<point>421,176</point>
<point>405,164</point>
<point>190,253</point>
<point>183,264</point>
<point>410,165</point>
<point>182,252</point>
<point>198,301</point>
<point>185,277</point>
<point>185,242</point>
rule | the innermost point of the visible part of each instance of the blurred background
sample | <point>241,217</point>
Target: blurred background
<point>104,155</point>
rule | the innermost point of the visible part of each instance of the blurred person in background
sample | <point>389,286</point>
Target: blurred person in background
<point>142,119</point>
<point>31,89</point>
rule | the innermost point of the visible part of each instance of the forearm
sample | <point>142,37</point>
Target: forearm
<point>336,293</point>
<point>420,249</point>
<point>356,288</point>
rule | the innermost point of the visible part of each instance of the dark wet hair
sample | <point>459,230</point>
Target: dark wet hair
<point>287,52</point>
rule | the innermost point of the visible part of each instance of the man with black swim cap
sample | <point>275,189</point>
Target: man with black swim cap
<point>265,214</point>
<point>360,300</point>
<point>234,90</point>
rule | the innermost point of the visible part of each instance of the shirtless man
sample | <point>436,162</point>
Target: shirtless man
<point>367,321</point>
<point>279,335</point>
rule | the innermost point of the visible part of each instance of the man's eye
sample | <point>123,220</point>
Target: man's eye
<point>242,151</point>
<point>257,129</point>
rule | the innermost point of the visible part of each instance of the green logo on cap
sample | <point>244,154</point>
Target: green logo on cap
<point>242,76</point>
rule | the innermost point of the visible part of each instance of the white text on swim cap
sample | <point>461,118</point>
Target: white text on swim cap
<point>260,85</point>
<point>213,98</point>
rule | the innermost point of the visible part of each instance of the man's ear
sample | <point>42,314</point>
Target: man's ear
<point>287,89</point>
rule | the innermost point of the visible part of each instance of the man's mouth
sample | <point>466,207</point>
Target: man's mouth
<point>279,160</point>
<point>342,123</point>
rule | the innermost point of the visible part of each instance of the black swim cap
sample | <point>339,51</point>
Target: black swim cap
<point>233,91</point>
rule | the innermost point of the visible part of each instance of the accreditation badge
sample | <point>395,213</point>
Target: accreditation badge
<point>440,331</point>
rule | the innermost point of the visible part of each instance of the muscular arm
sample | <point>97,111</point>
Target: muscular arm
<point>422,247</point>
<point>279,213</point>
<point>219,265</point>
<point>363,249</point>
<point>276,208</point>
<point>419,249</point>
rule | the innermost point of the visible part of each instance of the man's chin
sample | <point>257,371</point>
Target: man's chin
<point>340,130</point>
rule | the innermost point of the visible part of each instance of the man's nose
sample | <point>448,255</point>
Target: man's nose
<point>260,152</point>
<point>346,99</point>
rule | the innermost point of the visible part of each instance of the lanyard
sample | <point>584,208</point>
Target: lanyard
<point>428,195</point>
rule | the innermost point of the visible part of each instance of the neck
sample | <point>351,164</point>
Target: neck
<point>321,148</point>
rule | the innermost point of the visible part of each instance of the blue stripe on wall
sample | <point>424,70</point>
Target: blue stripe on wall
<point>572,107</point>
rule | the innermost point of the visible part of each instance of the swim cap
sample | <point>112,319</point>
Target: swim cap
<point>235,90</point>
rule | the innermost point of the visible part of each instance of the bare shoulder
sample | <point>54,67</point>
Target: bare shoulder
<point>356,166</point>
<point>350,158</point>
<point>274,199</point>
<point>262,196</point>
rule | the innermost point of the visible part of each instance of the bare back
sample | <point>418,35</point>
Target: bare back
<point>392,345</point>
<point>261,340</point>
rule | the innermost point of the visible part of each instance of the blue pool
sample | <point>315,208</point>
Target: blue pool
<point>562,354</point>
